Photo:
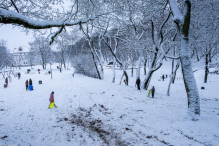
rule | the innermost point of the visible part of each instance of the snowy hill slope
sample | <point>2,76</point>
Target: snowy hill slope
<point>93,112</point>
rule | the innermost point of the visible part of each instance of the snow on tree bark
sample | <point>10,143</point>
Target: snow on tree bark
<point>183,22</point>
<point>173,77</point>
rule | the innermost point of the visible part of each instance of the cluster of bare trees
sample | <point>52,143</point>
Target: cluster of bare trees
<point>5,55</point>
<point>127,32</point>
<point>40,51</point>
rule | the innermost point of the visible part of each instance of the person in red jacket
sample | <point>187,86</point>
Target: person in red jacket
<point>51,99</point>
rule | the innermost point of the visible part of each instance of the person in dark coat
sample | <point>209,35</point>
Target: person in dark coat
<point>60,69</point>
<point>138,83</point>
<point>26,83</point>
<point>166,76</point>
<point>6,81</point>
<point>19,75</point>
<point>163,77</point>
<point>153,91</point>
<point>30,82</point>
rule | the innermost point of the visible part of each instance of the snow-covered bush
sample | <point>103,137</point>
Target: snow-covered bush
<point>84,64</point>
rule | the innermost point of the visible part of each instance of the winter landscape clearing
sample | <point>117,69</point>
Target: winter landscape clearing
<point>98,112</point>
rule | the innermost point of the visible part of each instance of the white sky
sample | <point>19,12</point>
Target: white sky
<point>14,36</point>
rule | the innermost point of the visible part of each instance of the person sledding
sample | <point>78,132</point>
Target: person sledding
<point>51,99</point>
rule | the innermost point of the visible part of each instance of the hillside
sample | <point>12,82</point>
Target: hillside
<point>94,112</point>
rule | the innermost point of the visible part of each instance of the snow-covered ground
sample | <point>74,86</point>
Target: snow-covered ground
<point>92,112</point>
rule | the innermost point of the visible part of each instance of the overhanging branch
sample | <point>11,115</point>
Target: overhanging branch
<point>11,17</point>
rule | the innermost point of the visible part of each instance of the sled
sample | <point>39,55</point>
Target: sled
<point>52,104</point>
<point>149,93</point>
<point>30,87</point>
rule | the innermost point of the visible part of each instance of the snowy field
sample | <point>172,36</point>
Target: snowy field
<point>94,113</point>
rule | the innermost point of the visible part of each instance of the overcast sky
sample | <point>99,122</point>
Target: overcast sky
<point>14,37</point>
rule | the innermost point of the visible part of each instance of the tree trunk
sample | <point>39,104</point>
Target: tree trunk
<point>183,23</point>
<point>146,82</point>
<point>197,55</point>
<point>145,66</point>
<point>188,76</point>
<point>98,73</point>
<point>172,65</point>
<point>132,71</point>
<point>121,79</point>
<point>138,73</point>
<point>126,78</point>
<point>173,77</point>
<point>114,73</point>
<point>64,65</point>
<point>147,79</point>
<point>206,68</point>
<point>125,73</point>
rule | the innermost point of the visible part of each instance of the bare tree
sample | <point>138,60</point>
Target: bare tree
<point>41,48</point>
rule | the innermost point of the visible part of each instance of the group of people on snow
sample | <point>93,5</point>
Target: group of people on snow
<point>138,81</point>
<point>28,84</point>
<point>164,76</point>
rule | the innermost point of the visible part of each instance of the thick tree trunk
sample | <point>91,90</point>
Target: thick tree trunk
<point>188,76</point>
<point>183,23</point>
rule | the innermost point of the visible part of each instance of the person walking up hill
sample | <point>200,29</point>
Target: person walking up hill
<point>138,83</point>
<point>6,81</point>
<point>26,83</point>
<point>51,99</point>
<point>153,91</point>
